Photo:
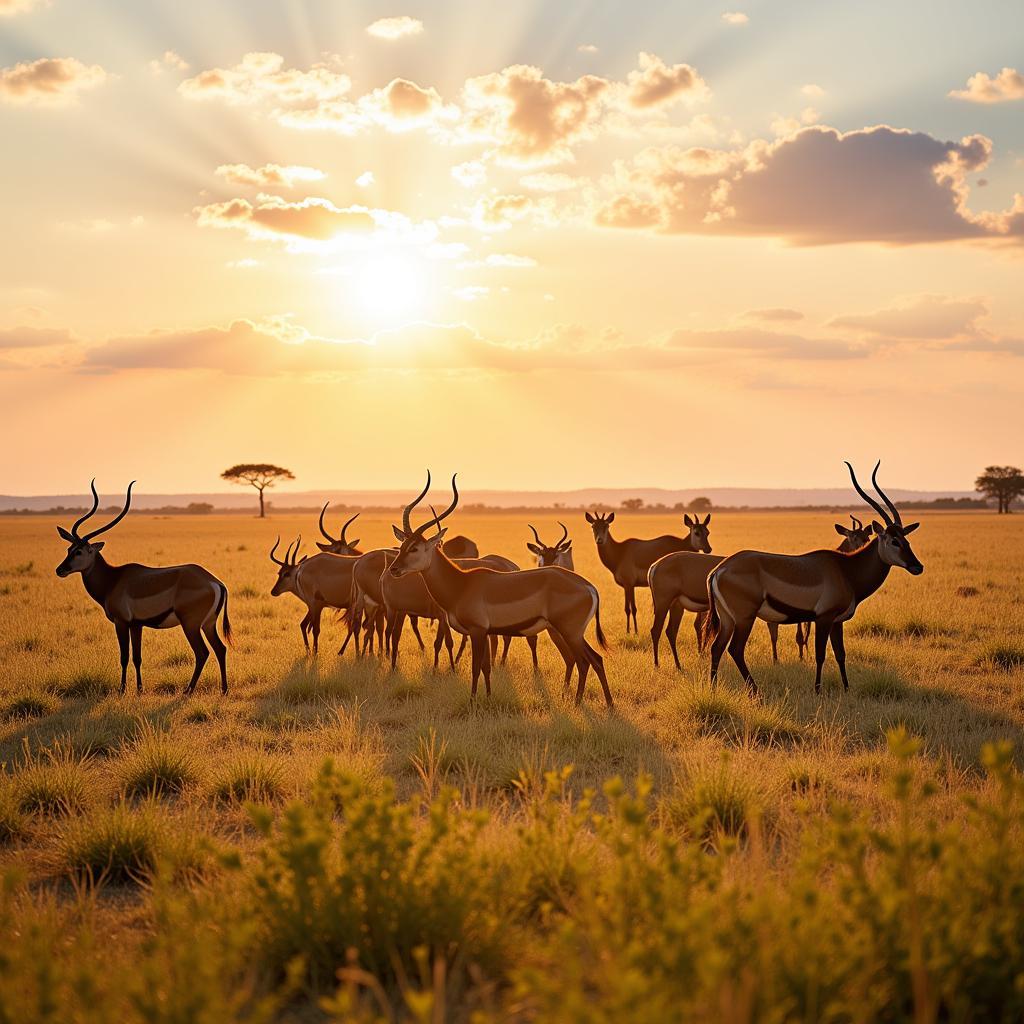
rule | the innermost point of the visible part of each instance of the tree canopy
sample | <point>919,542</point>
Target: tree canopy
<point>1002,484</point>
<point>260,475</point>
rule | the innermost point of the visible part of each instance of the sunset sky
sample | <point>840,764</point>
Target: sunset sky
<point>588,242</point>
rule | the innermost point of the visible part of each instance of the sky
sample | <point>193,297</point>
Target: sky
<point>547,245</point>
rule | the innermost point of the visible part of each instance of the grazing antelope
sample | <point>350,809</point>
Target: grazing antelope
<point>134,596</point>
<point>323,581</point>
<point>484,602</point>
<point>825,587</point>
<point>678,585</point>
<point>560,553</point>
<point>461,547</point>
<point>338,545</point>
<point>630,560</point>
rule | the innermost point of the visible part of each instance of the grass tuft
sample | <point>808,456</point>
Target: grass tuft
<point>250,777</point>
<point>156,764</point>
<point>715,802</point>
<point>83,685</point>
<point>1002,657</point>
<point>30,705</point>
<point>53,783</point>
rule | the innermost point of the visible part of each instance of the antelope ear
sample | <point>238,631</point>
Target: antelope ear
<point>440,536</point>
<point>707,519</point>
<point>566,547</point>
<point>98,546</point>
<point>589,518</point>
<point>910,529</point>
<point>400,534</point>
<point>323,547</point>
<point>841,530</point>
<point>611,518</point>
<point>688,520</point>
<point>534,548</point>
<point>877,527</point>
<point>64,533</point>
<point>353,543</point>
<point>303,558</point>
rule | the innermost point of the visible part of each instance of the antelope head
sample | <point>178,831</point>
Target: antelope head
<point>285,582</point>
<point>601,523</point>
<point>417,550</point>
<point>893,546</point>
<point>855,536</point>
<point>337,545</point>
<point>82,551</point>
<point>699,539</point>
<point>549,555</point>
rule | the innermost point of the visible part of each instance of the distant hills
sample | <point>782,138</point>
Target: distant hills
<point>244,501</point>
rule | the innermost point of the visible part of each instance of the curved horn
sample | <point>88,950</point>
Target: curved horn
<point>90,513</point>
<point>120,515</point>
<point>346,526</point>
<point>273,558</point>
<point>565,535</point>
<point>867,497</point>
<point>437,520</point>
<point>536,536</point>
<point>298,544</point>
<point>897,518</point>
<point>324,531</point>
<point>407,511</point>
<point>433,512</point>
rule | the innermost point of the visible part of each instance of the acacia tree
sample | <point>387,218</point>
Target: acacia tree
<point>633,504</point>
<point>700,504</point>
<point>1002,484</point>
<point>260,475</point>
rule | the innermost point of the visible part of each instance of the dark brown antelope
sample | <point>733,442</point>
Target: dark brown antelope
<point>338,545</point>
<point>823,587</point>
<point>484,602</point>
<point>560,553</point>
<point>323,581</point>
<point>368,607</point>
<point>679,584</point>
<point>134,596</point>
<point>629,561</point>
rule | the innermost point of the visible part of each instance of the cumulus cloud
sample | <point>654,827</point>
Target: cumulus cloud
<point>503,210</point>
<point>169,61</point>
<point>656,84</point>
<point>8,8</point>
<point>817,186</point>
<point>49,81</point>
<point>509,259</point>
<point>735,18</point>
<point>923,317</point>
<point>263,78</point>
<point>270,216</point>
<point>269,175</point>
<point>981,88</point>
<point>586,48</point>
<point>399,27</point>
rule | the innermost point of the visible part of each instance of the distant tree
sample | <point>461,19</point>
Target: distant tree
<point>260,475</point>
<point>199,508</point>
<point>633,504</point>
<point>700,504</point>
<point>1002,484</point>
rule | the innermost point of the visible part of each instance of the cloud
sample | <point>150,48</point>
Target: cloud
<point>774,314</point>
<point>767,343</point>
<point>8,8</point>
<point>509,259</point>
<point>586,48</point>
<point>262,78</point>
<point>400,27</point>
<point>547,181</point>
<point>924,317</point>
<point>656,84</point>
<point>470,174</point>
<point>735,18</point>
<point>33,337</point>
<point>503,210</point>
<point>312,218</point>
<point>169,60</point>
<point>1007,85</point>
<point>812,91</point>
<point>817,186</point>
<point>49,81</point>
<point>366,179</point>
<point>269,175</point>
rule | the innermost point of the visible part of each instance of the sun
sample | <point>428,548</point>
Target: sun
<point>390,284</point>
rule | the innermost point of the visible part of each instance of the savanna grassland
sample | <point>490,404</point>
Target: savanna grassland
<point>333,842</point>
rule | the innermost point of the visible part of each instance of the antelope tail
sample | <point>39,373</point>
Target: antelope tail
<point>597,624</point>
<point>228,636</point>
<point>712,621</point>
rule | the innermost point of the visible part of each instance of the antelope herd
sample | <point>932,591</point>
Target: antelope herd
<point>490,598</point>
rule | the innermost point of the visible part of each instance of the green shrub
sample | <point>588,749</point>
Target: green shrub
<point>156,765</point>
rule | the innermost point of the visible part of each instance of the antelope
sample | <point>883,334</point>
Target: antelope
<point>323,581</point>
<point>678,584</point>
<point>134,596</point>
<point>825,587</point>
<point>484,602</point>
<point>461,547</point>
<point>630,560</point>
<point>560,553</point>
<point>338,545</point>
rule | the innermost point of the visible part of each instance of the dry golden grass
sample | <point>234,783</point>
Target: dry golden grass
<point>940,655</point>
